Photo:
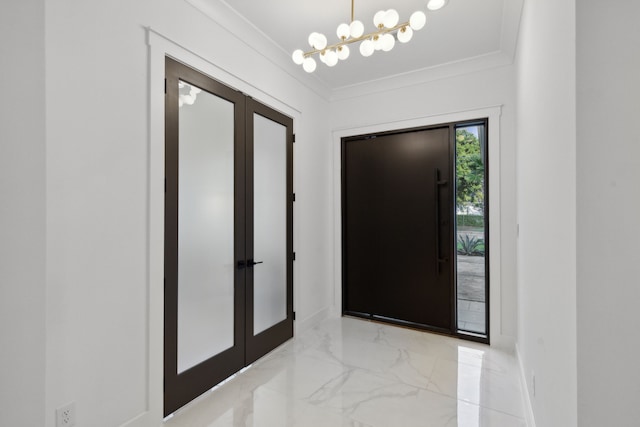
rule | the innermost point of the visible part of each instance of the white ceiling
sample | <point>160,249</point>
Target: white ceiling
<point>461,31</point>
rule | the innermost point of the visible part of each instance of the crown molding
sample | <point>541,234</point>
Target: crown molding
<point>225,16</point>
<point>246,32</point>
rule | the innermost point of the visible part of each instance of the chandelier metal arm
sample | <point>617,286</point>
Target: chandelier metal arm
<point>349,41</point>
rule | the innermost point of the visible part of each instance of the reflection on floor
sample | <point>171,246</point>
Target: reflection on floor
<point>352,372</point>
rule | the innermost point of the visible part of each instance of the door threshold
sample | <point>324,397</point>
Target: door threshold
<point>464,335</point>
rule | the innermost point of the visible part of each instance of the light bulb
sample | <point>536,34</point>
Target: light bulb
<point>323,57</point>
<point>309,65</point>
<point>313,37</point>
<point>436,4</point>
<point>417,20</point>
<point>321,42</point>
<point>357,29</point>
<point>387,42</point>
<point>331,58</point>
<point>367,47</point>
<point>405,34</point>
<point>343,31</point>
<point>377,42</point>
<point>391,18</point>
<point>298,56</point>
<point>343,52</point>
<point>378,18</point>
<point>317,41</point>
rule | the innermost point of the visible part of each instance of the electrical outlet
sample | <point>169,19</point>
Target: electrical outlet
<point>66,415</point>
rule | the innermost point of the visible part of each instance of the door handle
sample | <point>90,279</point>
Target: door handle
<point>438,184</point>
<point>250,263</point>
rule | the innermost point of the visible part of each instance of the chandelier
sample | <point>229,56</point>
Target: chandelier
<point>388,29</point>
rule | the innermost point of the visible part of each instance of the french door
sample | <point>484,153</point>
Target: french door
<point>397,233</point>
<point>228,232</point>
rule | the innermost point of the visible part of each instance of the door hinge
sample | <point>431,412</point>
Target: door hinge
<point>165,185</point>
<point>294,256</point>
<point>294,315</point>
<point>294,138</point>
<point>294,197</point>
<point>165,86</point>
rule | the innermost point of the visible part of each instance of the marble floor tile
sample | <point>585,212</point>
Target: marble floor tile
<point>478,385</point>
<point>354,373</point>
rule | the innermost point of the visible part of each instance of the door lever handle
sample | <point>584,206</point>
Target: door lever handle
<point>251,263</point>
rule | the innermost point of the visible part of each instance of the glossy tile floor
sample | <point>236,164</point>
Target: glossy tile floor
<point>351,372</point>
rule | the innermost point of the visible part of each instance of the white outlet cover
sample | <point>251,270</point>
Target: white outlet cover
<point>66,415</point>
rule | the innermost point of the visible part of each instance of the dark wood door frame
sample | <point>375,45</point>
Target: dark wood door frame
<point>486,338</point>
<point>191,383</point>
<point>451,218</point>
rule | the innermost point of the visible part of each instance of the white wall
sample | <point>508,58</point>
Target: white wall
<point>22,214</point>
<point>608,175</point>
<point>98,162</point>
<point>89,206</point>
<point>546,167</point>
<point>441,97</point>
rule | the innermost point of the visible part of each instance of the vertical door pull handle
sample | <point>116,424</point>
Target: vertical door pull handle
<point>438,184</point>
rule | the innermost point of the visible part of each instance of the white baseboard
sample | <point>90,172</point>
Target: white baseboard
<point>526,398</point>
<point>503,342</point>
<point>143,420</point>
<point>303,325</point>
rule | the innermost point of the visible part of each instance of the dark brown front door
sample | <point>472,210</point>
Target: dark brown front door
<point>396,227</point>
<point>228,232</point>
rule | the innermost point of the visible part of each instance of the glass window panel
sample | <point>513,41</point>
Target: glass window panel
<point>205,226</point>
<point>470,220</point>
<point>270,223</point>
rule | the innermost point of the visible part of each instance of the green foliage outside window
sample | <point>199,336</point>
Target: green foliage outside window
<point>469,172</point>
<point>470,245</point>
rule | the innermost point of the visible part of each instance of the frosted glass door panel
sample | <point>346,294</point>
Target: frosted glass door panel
<point>270,223</point>
<point>205,226</point>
